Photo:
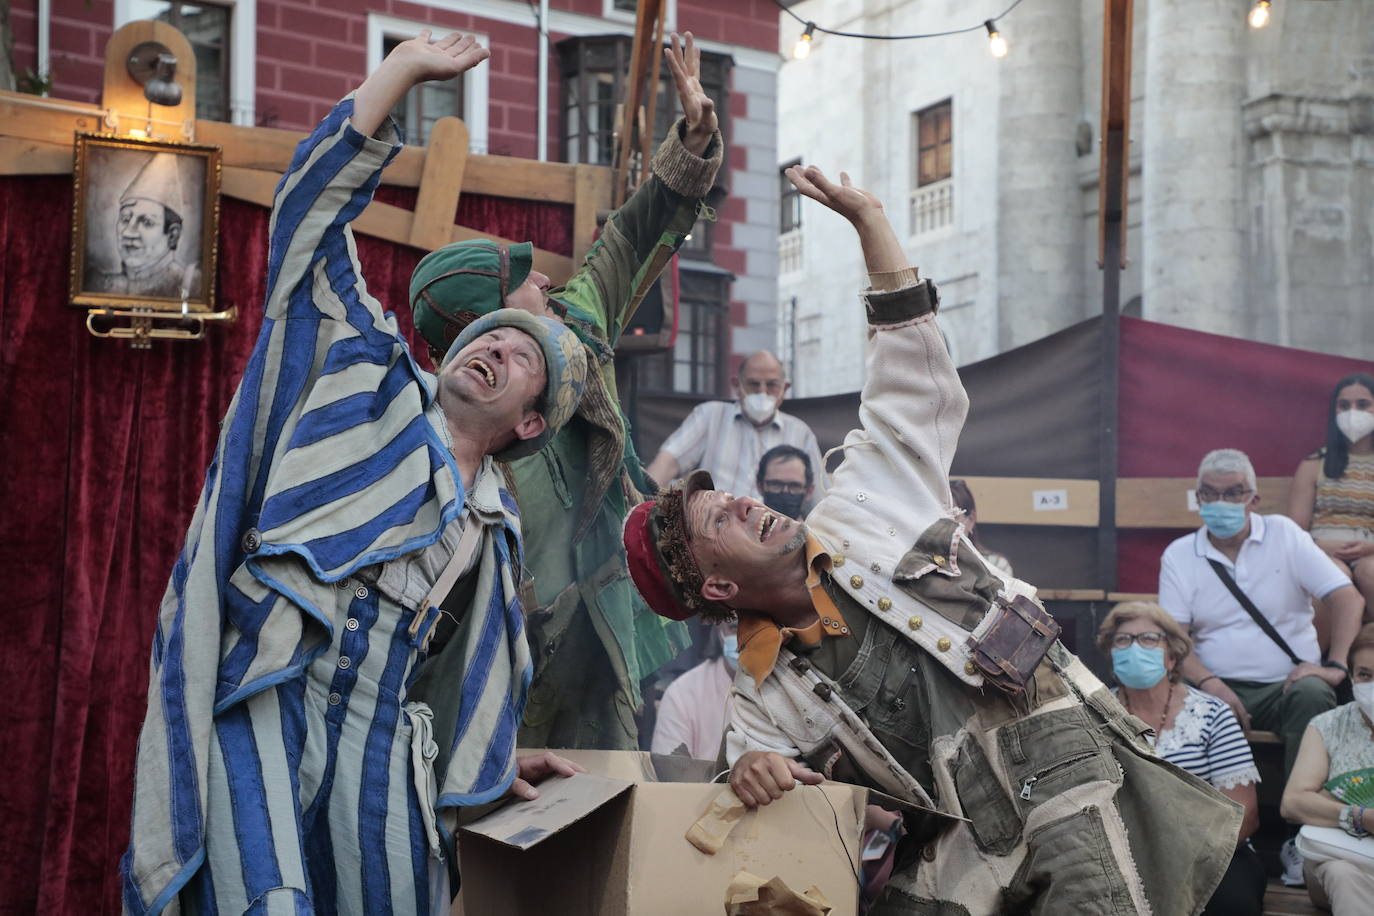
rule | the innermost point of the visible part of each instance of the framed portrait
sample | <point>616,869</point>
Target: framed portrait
<point>145,224</point>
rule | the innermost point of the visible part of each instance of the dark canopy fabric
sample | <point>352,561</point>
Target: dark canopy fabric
<point>1035,411</point>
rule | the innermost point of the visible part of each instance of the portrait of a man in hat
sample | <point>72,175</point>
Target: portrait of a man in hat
<point>143,220</point>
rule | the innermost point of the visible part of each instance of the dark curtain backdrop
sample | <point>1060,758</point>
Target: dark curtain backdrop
<point>103,450</point>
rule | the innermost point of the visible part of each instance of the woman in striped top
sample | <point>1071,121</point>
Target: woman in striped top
<point>1333,489</point>
<point>1192,730</point>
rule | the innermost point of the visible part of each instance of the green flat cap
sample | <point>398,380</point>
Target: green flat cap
<point>565,360</point>
<point>458,283</point>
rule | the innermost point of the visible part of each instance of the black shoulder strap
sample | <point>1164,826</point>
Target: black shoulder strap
<point>1253,611</point>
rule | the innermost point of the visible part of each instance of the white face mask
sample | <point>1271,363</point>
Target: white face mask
<point>1355,424</point>
<point>760,407</point>
<point>1364,696</point>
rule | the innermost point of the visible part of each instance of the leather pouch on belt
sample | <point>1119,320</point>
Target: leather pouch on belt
<point>1010,649</point>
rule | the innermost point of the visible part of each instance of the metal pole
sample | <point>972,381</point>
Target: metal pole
<point>1113,186</point>
<point>542,128</point>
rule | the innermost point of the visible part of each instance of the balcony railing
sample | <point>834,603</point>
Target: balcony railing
<point>790,252</point>
<point>932,207</point>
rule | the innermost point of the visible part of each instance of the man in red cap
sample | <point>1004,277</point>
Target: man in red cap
<point>878,647</point>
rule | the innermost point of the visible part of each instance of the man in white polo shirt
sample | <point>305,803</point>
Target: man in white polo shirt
<point>728,438</point>
<point>1277,566</point>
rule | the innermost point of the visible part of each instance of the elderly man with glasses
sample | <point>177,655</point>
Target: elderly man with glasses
<point>1264,660</point>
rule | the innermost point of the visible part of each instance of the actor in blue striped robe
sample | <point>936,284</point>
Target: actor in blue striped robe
<point>285,763</point>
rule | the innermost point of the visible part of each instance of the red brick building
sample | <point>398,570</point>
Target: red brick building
<point>283,63</point>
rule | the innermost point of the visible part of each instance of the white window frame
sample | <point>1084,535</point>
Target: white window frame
<point>476,82</point>
<point>243,71</point>
<point>610,12</point>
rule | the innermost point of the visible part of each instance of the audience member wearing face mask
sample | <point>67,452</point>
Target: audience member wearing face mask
<point>786,480</point>
<point>1265,661</point>
<point>1192,730</point>
<point>1324,794</point>
<point>695,707</point>
<point>1333,488</point>
<point>727,438</point>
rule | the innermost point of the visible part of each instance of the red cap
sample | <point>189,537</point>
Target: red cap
<point>660,560</point>
<point>645,569</point>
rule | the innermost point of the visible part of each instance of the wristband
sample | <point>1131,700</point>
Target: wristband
<point>1210,677</point>
<point>1332,663</point>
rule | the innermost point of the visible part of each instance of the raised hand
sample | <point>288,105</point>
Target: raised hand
<point>410,63</point>
<point>854,204</point>
<point>684,61</point>
<point>423,59</point>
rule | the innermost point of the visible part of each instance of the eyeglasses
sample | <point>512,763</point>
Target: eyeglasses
<point>784,486</point>
<point>1232,495</point>
<point>1146,640</point>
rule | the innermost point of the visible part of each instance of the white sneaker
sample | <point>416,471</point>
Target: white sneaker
<point>1291,860</point>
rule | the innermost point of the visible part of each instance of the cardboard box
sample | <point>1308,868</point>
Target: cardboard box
<point>611,842</point>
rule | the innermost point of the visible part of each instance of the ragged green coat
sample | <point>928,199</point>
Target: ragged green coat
<point>592,637</point>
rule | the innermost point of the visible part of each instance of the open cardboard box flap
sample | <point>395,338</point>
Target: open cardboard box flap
<point>612,842</point>
<point>561,803</point>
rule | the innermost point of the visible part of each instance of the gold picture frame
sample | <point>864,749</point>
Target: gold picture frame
<point>145,224</point>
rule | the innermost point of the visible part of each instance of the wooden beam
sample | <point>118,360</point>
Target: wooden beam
<point>1068,594</point>
<point>25,117</point>
<point>33,157</point>
<point>1035,501</point>
<point>441,182</point>
<point>1162,502</point>
<point>593,189</point>
<point>1118,597</point>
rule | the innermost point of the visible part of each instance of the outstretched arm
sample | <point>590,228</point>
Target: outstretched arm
<point>913,405</point>
<point>641,236</point>
<point>883,254</point>
<point>333,175</point>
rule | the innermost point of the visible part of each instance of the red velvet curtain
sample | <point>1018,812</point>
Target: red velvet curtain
<point>103,449</point>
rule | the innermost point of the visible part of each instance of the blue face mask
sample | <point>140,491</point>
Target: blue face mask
<point>1137,667</point>
<point>730,646</point>
<point>1223,519</point>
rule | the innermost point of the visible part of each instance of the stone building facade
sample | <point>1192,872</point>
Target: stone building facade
<point>1252,172</point>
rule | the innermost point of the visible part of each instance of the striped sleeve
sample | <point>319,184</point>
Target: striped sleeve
<point>331,179</point>
<point>1228,754</point>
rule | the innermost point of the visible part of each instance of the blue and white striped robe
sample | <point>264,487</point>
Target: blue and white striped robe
<point>333,458</point>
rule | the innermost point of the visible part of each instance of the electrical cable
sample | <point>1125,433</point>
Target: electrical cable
<point>973,28</point>
<point>839,832</point>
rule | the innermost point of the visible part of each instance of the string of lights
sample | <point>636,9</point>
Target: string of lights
<point>997,45</point>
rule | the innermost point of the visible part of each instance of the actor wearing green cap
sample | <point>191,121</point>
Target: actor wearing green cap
<point>340,660</point>
<point>592,636</point>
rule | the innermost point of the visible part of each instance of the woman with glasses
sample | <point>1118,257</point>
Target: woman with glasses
<point>1333,489</point>
<point>1193,730</point>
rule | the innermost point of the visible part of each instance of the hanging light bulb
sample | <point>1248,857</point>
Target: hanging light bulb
<point>802,49</point>
<point>997,45</point>
<point>1259,16</point>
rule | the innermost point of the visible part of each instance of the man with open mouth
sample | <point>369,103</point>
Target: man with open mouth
<point>340,660</point>
<point>594,640</point>
<point>877,647</point>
